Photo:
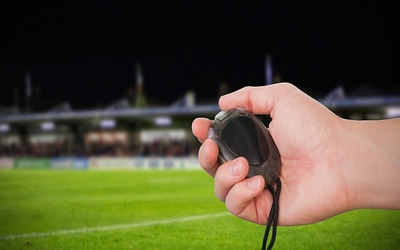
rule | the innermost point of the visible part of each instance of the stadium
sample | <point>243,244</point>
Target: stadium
<point>125,174</point>
<point>128,178</point>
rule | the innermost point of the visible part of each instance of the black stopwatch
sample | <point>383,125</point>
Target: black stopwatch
<point>238,132</point>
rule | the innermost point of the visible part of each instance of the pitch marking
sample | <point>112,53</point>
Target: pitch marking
<point>113,227</point>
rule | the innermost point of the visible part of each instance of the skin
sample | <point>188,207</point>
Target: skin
<point>330,165</point>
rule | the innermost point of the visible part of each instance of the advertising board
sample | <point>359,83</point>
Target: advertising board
<point>31,163</point>
<point>68,163</point>
<point>6,162</point>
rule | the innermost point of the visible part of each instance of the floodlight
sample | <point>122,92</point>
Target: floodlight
<point>107,123</point>
<point>163,121</point>
<point>47,126</point>
<point>393,112</point>
<point>4,127</point>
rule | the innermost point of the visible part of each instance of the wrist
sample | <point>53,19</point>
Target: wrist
<point>371,163</point>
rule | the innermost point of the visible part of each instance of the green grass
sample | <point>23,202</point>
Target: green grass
<point>48,201</point>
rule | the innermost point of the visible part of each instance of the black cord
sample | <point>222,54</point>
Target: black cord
<point>273,216</point>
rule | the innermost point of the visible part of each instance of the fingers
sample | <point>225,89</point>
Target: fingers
<point>241,200</point>
<point>208,152</point>
<point>200,128</point>
<point>258,100</point>
<point>239,193</point>
<point>208,157</point>
<point>231,175</point>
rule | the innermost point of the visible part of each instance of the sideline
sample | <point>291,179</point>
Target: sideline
<point>113,227</point>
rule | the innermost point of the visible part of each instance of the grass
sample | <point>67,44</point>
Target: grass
<point>44,202</point>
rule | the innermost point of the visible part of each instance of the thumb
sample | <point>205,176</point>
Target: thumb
<point>257,100</point>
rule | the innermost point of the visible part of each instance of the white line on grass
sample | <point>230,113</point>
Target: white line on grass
<point>113,227</point>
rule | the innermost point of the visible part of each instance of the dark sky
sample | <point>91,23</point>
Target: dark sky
<point>85,53</point>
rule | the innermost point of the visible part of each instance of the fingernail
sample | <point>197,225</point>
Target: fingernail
<point>236,168</point>
<point>254,183</point>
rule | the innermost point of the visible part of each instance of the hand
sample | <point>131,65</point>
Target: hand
<point>307,136</point>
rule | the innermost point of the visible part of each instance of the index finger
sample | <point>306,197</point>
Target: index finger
<point>200,128</point>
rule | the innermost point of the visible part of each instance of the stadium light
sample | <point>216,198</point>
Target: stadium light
<point>107,123</point>
<point>393,112</point>
<point>47,126</point>
<point>4,127</point>
<point>163,121</point>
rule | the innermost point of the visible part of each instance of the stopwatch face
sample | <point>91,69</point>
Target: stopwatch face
<point>243,138</point>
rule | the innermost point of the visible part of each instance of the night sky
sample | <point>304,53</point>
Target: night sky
<point>85,53</point>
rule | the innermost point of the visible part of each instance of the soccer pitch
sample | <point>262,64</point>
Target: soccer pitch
<point>157,209</point>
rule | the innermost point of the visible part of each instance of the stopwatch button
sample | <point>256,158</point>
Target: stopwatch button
<point>210,133</point>
<point>221,115</point>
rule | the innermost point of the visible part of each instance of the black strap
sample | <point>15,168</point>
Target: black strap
<point>273,215</point>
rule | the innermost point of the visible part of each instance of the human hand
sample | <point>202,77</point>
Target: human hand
<point>307,136</point>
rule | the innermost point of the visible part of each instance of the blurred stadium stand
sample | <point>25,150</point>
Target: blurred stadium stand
<point>122,131</point>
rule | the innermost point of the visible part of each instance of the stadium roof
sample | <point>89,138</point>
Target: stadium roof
<point>184,110</point>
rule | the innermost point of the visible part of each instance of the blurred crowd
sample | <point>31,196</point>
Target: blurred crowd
<point>71,149</point>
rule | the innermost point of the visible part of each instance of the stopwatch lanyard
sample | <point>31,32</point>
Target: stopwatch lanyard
<point>273,215</point>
